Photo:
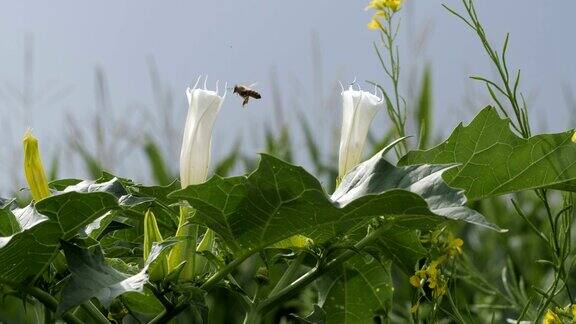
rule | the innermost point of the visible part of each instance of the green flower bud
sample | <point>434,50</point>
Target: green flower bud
<point>159,268</point>
<point>33,168</point>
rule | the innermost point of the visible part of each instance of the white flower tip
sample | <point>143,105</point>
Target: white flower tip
<point>196,84</point>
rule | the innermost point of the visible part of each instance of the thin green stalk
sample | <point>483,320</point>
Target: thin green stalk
<point>215,279</point>
<point>288,275</point>
<point>397,115</point>
<point>316,272</point>
<point>168,314</point>
<point>51,303</point>
<point>94,312</point>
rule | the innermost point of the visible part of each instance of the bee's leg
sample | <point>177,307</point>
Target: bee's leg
<point>245,101</point>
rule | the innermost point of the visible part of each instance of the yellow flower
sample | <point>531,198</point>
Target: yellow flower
<point>574,311</point>
<point>432,276</point>
<point>574,137</point>
<point>415,280</point>
<point>33,168</point>
<point>414,308</point>
<point>374,24</point>
<point>435,280</point>
<point>454,246</point>
<point>393,5</point>
<point>440,289</point>
<point>376,4</point>
<point>551,318</point>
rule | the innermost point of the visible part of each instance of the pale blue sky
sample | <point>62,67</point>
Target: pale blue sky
<point>241,41</point>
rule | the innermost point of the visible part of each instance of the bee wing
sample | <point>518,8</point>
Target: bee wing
<point>253,85</point>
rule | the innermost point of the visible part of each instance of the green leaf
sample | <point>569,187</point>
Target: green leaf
<point>92,277</point>
<point>8,223</point>
<point>360,291</point>
<point>28,217</point>
<point>399,244</point>
<point>317,316</point>
<point>491,160</point>
<point>74,210</point>
<point>25,255</point>
<point>424,109</point>
<point>112,186</point>
<point>142,303</point>
<point>377,175</point>
<point>280,200</point>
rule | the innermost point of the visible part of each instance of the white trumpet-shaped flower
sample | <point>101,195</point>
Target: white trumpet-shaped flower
<point>359,109</point>
<point>203,107</point>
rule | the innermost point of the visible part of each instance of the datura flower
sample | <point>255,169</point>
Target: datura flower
<point>359,109</point>
<point>34,169</point>
<point>203,107</point>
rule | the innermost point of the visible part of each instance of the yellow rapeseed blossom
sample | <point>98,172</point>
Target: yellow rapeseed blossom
<point>415,280</point>
<point>374,24</point>
<point>454,246</point>
<point>432,276</point>
<point>574,137</point>
<point>551,318</point>
<point>574,311</point>
<point>34,169</point>
<point>393,5</point>
<point>383,10</point>
<point>414,308</point>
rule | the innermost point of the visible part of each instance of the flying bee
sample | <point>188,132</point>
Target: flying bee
<point>246,92</point>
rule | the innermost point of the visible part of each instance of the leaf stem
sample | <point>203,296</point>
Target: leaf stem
<point>166,315</point>
<point>313,274</point>
<point>224,271</point>
<point>94,312</point>
<point>51,303</point>
<point>288,274</point>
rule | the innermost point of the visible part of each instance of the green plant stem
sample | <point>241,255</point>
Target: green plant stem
<point>166,315</point>
<point>94,312</point>
<point>51,303</point>
<point>210,283</point>
<point>252,317</point>
<point>312,275</point>
<point>288,275</point>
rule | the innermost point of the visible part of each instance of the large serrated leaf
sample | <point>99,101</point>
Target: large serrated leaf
<point>92,277</point>
<point>279,200</point>
<point>491,160</point>
<point>74,210</point>
<point>25,255</point>
<point>360,291</point>
<point>399,244</point>
<point>377,175</point>
<point>8,222</point>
